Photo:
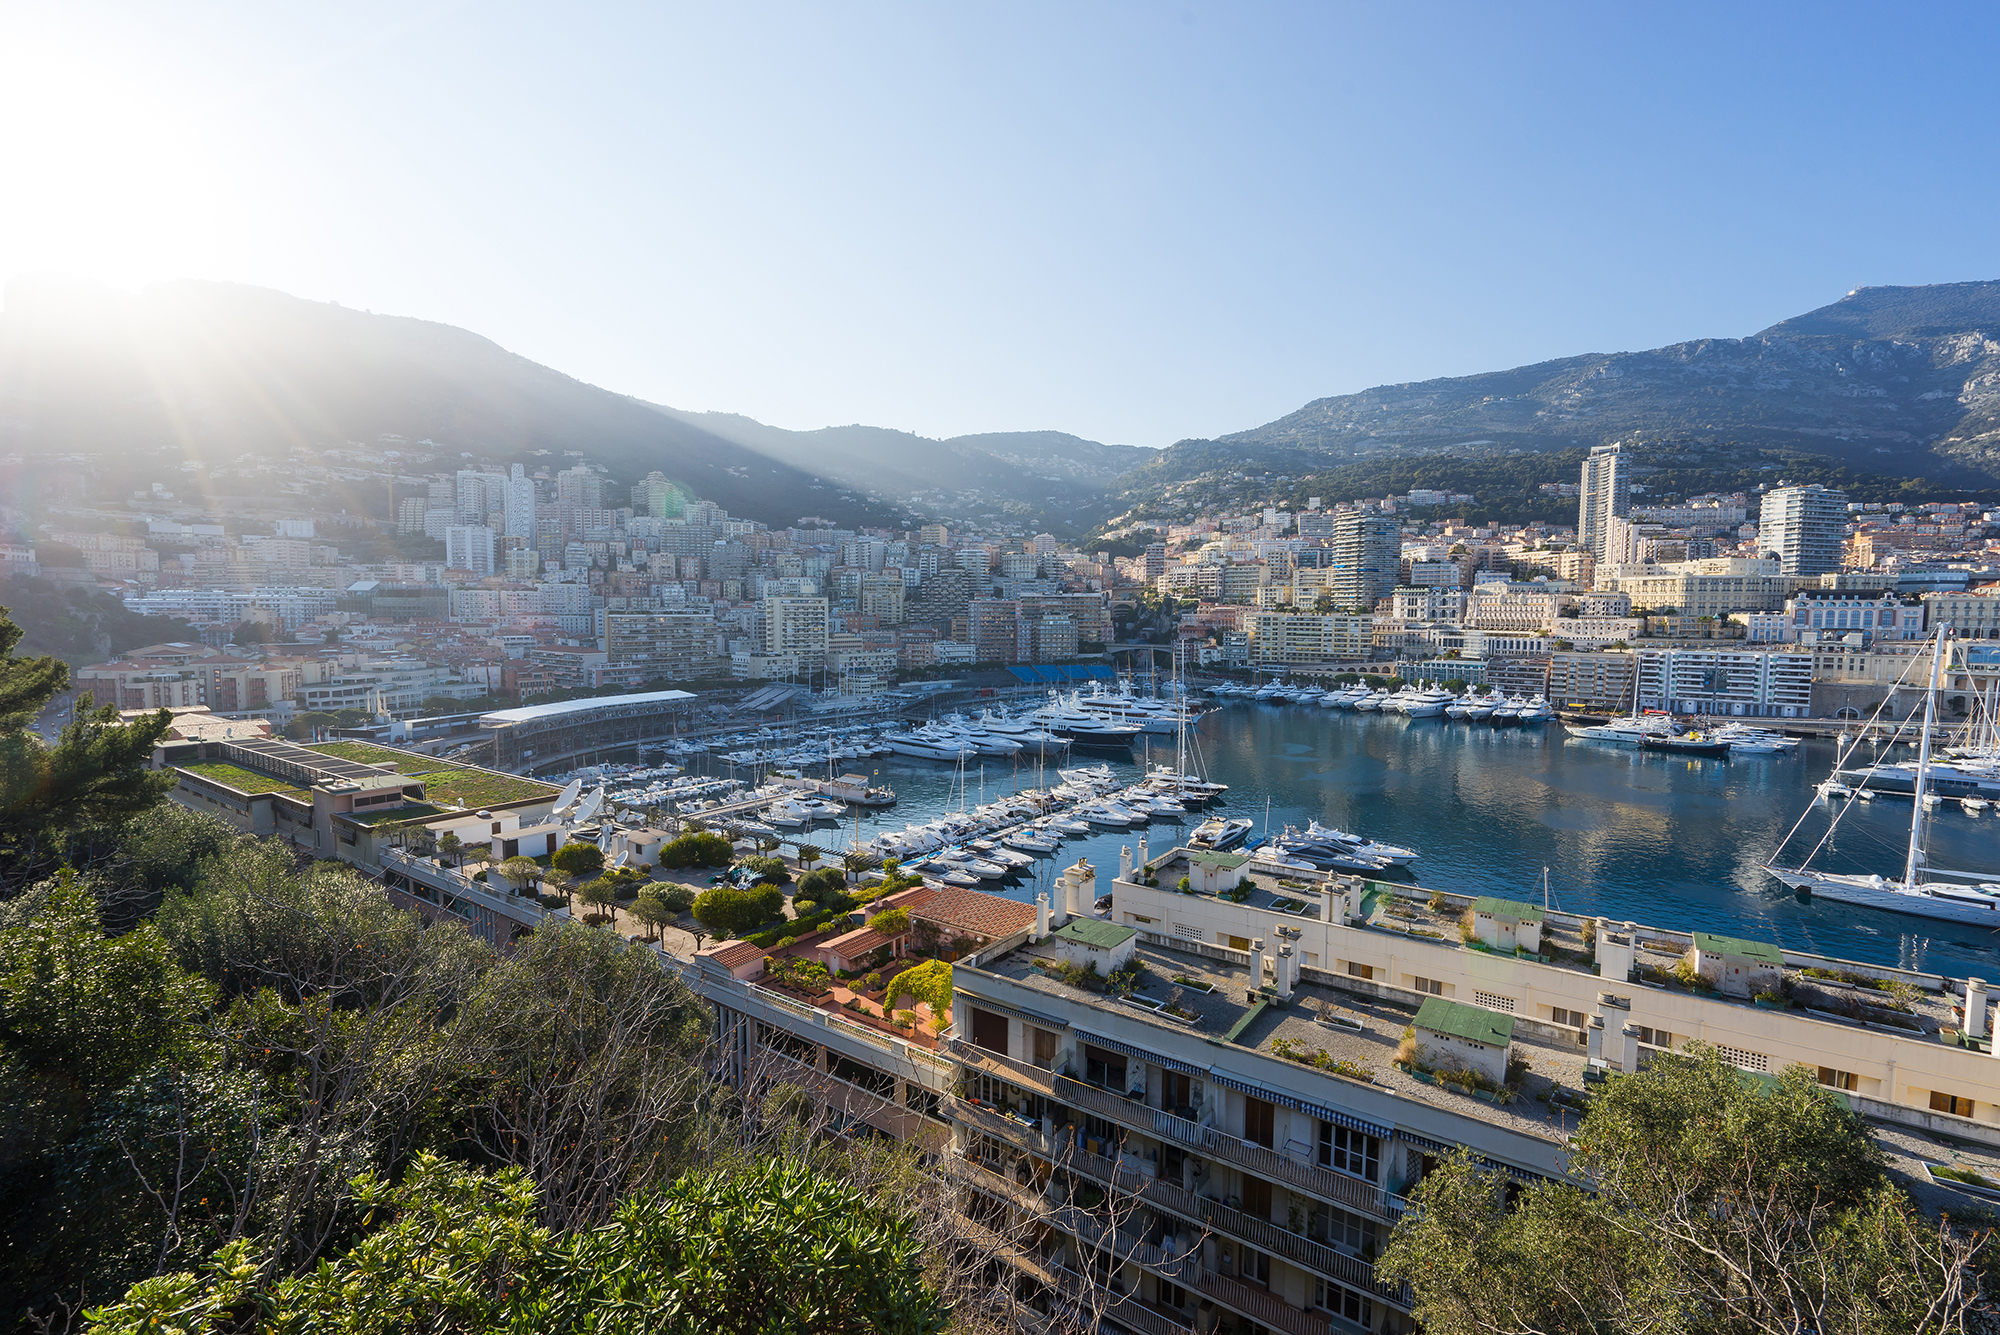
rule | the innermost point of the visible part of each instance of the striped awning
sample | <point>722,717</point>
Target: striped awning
<point>1446,1147</point>
<point>1319,1110</point>
<point>1140,1054</point>
<point>986,1003</point>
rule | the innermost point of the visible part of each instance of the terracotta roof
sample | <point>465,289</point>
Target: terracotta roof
<point>731,955</point>
<point>977,913</point>
<point>851,945</point>
<point>913,898</point>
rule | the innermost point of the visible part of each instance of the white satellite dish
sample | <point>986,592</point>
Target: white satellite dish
<point>589,807</point>
<point>569,794</point>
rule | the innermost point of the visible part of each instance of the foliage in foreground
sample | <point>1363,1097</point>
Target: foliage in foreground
<point>776,1249</point>
<point>1723,1206</point>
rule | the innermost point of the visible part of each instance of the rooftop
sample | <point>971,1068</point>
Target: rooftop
<point>1730,945</point>
<point>1095,933</point>
<point>974,912</point>
<point>531,713</point>
<point>1471,1023</point>
<point>1490,907</point>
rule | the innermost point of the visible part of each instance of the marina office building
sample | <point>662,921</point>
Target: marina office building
<point>1224,1141</point>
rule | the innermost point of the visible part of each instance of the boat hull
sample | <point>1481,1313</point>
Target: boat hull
<point>1844,890</point>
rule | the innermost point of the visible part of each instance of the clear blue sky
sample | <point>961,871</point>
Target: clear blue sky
<point>1134,222</point>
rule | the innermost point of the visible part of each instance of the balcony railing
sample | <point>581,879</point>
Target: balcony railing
<point>994,1123</point>
<point>1262,1234</point>
<point>1186,1270</point>
<point>1095,1303</point>
<point>976,1058</point>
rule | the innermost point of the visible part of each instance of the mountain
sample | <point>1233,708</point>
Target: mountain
<point>195,371</point>
<point>1900,382</point>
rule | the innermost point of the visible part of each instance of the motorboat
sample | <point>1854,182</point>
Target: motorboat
<point>1365,848</point>
<point>929,743</point>
<point>1218,832</point>
<point>1030,842</point>
<point>1372,702</point>
<point>1006,857</point>
<point>965,862</point>
<point>1070,826</point>
<point>1686,744</point>
<point>1628,731</point>
<point>1536,710</point>
<point>1112,814</point>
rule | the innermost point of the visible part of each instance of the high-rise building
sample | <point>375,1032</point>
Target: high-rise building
<point>480,495</point>
<point>662,499</point>
<point>580,487</point>
<point>410,514</point>
<point>1367,559</point>
<point>1801,529</point>
<point>469,547</point>
<point>519,505</point>
<point>796,626</point>
<point>1605,494</point>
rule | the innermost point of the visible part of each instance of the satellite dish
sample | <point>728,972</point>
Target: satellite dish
<point>589,807</point>
<point>569,794</point>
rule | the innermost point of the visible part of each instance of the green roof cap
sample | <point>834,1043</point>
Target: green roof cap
<point>1731,945</point>
<point>1506,908</point>
<point>1471,1023</point>
<point>1095,933</point>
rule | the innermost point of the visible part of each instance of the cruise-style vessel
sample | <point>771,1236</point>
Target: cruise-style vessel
<point>1917,892</point>
<point>1219,832</point>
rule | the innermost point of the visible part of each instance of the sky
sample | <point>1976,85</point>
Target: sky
<point>1137,223</point>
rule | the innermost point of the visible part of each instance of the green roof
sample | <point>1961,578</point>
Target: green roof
<point>1749,950</point>
<point>1226,861</point>
<point>1506,908</point>
<point>1095,933</point>
<point>1470,1023</point>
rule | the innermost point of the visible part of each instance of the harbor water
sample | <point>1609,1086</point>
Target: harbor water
<point>1662,840</point>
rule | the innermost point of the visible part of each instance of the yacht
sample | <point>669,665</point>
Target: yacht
<point>1372,702</point>
<point>1031,841</point>
<point>1536,710</point>
<point>1366,848</point>
<point>1084,728</point>
<point>929,743</point>
<point>1112,814</point>
<point>1297,851</point>
<point>1427,702</point>
<point>1218,832</point>
<point>1917,892</point>
<point>1626,731</point>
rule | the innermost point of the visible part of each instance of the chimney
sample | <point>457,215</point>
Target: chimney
<point>1041,916</point>
<point>1595,1032</point>
<point>1143,859</point>
<point>1256,963</point>
<point>1059,910</point>
<point>1082,881</point>
<point>1286,963</point>
<point>1332,902</point>
<point>1628,1048</point>
<point>1124,862</point>
<point>1975,1008</point>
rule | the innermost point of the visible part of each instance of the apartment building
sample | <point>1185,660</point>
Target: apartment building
<point>797,626</point>
<point>1713,587</point>
<point>1801,528</point>
<point>659,645</point>
<point>1750,681</point>
<point>1309,637</point>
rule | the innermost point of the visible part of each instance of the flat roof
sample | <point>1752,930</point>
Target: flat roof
<point>1095,933</point>
<point>1734,945</point>
<point>529,713</point>
<point>1471,1023</point>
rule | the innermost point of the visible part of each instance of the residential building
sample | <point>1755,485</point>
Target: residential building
<point>1712,588</point>
<point>1825,614</point>
<point>469,547</point>
<point>1309,637</point>
<point>798,627</point>
<point>1973,615</point>
<point>1745,681</point>
<point>1367,557</point>
<point>1801,527</point>
<point>656,645</point>
<point>1604,494</point>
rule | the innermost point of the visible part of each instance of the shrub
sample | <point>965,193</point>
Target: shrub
<point>729,912</point>
<point>893,922</point>
<point>803,907</point>
<point>702,849</point>
<point>680,899</point>
<point>1185,887</point>
<point>578,859</point>
<point>768,869</point>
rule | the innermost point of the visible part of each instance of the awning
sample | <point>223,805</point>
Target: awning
<point>1319,1110</point>
<point>1140,1054</point>
<point>986,1003</point>
<point>1445,1147</point>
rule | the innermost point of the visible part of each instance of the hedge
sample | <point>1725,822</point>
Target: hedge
<point>793,927</point>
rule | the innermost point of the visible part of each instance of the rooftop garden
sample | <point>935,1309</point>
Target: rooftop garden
<point>445,784</point>
<point>242,780</point>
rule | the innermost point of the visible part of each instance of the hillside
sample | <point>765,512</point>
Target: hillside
<point>192,371</point>
<point>1902,383</point>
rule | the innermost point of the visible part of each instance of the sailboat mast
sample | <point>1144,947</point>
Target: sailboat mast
<point>1916,855</point>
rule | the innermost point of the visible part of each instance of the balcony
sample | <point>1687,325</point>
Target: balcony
<point>975,1058</point>
<point>1007,1126</point>
<point>1262,1234</point>
<point>1335,1188</point>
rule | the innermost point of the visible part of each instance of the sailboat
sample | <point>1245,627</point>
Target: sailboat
<point>1914,893</point>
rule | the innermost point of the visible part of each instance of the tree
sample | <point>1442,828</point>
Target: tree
<point>891,922</point>
<point>449,844</point>
<point>927,982</point>
<point>66,802</point>
<point>599,894</point>
<point>1718,1203</point>
<point>678,898</point>
<point>520,873</point>
<point>772,1247</point>
<point>730,912</point>
<point>578,858</point>
<point>768,869</point>
<point>556,881</point>
<point>650,911</point>
<point>700,849</point>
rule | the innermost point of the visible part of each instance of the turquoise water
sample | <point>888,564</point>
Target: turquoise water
<point>1625,834</point>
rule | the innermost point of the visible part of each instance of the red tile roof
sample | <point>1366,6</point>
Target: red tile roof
<point>976,913</point>
<point>731,955</point>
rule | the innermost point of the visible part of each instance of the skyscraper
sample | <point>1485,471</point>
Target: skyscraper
<point>469,547</point>
<point>1801,528</point>
<point>1606,494</point>
<point>1367,559</point>
<point>520,505</point>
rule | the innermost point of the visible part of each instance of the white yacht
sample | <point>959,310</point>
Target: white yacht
<point>1628,731</point>
<point>1371,702</point>
<point>1427,702</point>
<point>929,743</point>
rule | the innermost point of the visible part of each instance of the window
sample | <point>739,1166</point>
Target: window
<point>1253,1265</point>
<point>1046,1047</point>
<point>1259,1118</point>
<point>1172,1295</point>
<point>1837,1079</point>
<point>1344,1302</point>
<point>1104,1069</point>
<point>1430,985</point>
<point>921,1100</point>
<point>1256,1197</point>
<point>1654,1038</point>
<point>1493,1001</point>
<point>1366,971</point>
<point>1348,1150</point>
<point>1573,1019</point>
<point>1950,1103</point>
<point>1233,942</point>
<point>1341,1228</point>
